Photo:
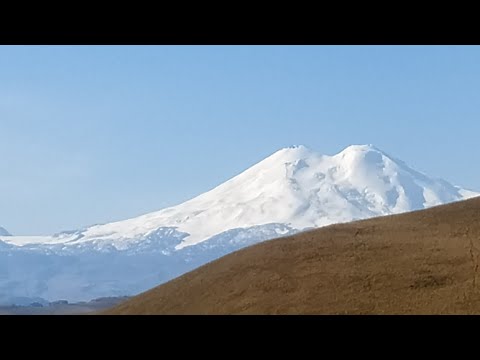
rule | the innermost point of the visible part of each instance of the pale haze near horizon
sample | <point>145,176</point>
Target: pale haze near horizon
<point>92,134</point>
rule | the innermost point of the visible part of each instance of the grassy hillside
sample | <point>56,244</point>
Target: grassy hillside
<point>424,262</point>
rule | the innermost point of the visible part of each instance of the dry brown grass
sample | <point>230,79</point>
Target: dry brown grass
<point>424,262</point>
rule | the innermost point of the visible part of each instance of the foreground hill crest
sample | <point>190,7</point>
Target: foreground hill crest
<point>414,263</point>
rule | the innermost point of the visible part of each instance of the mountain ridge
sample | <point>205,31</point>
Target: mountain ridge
<point>291,186</point>
<point>292,190</point>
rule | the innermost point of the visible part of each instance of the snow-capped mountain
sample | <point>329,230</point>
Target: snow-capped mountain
<point>4,232</point>
<point>292,190</point>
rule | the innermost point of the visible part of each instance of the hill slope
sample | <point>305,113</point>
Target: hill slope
<point>423,262</point>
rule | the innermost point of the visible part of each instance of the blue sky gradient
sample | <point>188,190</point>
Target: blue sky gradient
<point>92,134</point>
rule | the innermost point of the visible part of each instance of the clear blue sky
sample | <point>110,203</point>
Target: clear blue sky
<point>91,134</point>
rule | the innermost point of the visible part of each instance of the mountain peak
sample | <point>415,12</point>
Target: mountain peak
<point>295,148</point>
<point>290,153</point>
<point>300,152</point>
<point>361,155</point>
<point>361,148</point>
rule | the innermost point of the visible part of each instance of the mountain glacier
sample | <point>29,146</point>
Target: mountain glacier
<point>292,190</point>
